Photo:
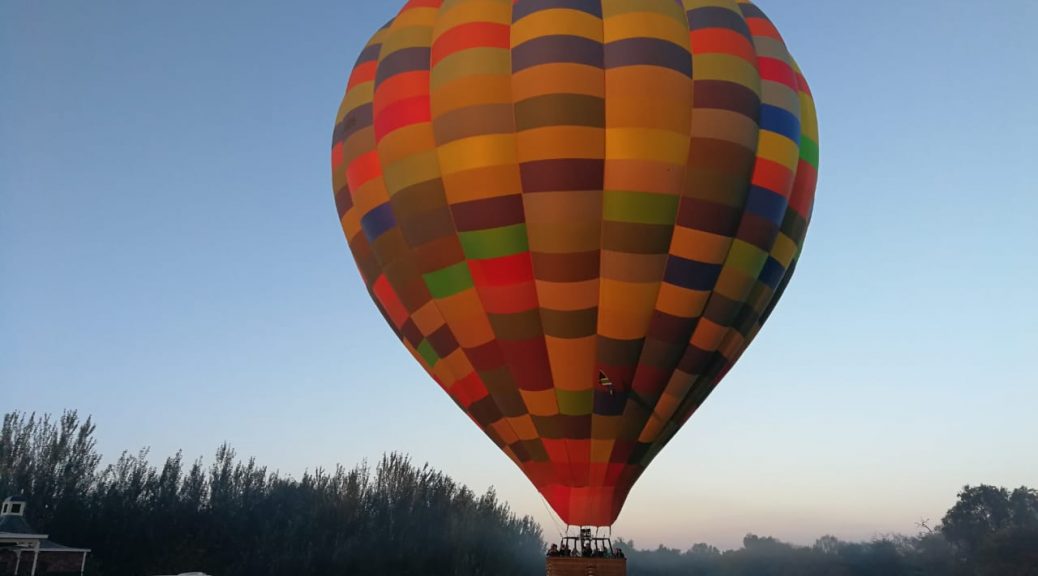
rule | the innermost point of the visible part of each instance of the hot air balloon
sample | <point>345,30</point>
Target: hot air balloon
<point>576,215</point>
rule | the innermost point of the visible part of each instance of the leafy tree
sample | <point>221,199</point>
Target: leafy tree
<point>994,531</point>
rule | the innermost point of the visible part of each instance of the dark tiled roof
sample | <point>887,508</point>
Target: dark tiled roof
<point>15,525</point>
<point>52,546</point>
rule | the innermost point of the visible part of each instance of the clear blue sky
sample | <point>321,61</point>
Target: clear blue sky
<point>170,262</point>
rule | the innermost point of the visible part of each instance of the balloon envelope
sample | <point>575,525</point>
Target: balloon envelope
<point>576,215</point>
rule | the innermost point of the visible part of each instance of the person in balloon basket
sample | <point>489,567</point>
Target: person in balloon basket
<point>553,551</point>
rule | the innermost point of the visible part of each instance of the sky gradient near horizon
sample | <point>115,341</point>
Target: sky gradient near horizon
<point>170,262</point>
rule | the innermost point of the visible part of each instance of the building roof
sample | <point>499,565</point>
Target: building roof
<point>15,525</point>
<point>52,546</point>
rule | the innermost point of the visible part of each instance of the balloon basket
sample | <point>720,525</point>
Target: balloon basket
<point>585,555</point>
<point>587,567</point>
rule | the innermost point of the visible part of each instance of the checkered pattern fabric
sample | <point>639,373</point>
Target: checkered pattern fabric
<point>576,215</point>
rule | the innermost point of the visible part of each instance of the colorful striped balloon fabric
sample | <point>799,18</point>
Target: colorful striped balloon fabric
<point>576,215</point>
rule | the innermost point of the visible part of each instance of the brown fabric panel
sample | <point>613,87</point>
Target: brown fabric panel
<point>562,174</point>
<point>473,121</point>
<point>502,389</point>
<point>575,267</point>
<point>709,217</point>
<point>614,352</point>
<point>428,226</point>
<point>562,426</point>
<point>489,213</point>
<point>641,268</point>
<point>662,353</point>
<point>636,238</point>
<point>570,323</point>
<point>440,253</point>
<point>521,326</point>
<point>726,96</point>
<point>720,309</point>
<point>560,110</point>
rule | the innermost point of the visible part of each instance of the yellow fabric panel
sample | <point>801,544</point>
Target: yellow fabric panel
<point>725,125</point>
<point>358,145</point>
<point>473,327</point>
<point>734,284</point>
<point>564,237</point>
<point>428,318</point>
<point>573,376</point>
<point>779,149</point>
<point>372,194</point>
<point>633,268</point>
<point>652,428</point>
<point>459,362</point>
<point>471,90</point>
<point>556,79</point>
<point>405,142</point>
<point>480,183</point>
<point>808,121</point>
<point>523,426</point>
<point>358,96</point>
<point>733,344</point>
<point>708,335</point>
<point>645,25</point>
<point>645,175</point>
<point>681,302</point>
<point>571,360</point>
<point>784,250</point>
<point>456,12</point>
<point>412,170</point>
<point>626,105</point>
<point>504,429</point>
<point>540,403</point>
<point>731,5</point>
<point>562,208</point>
<point>606,427</point>
<point>601,450</point>
<point>646,144</point>
<point>568,296</point>
<point>443,371</point>
<point>700,246</point>
<point>551,142</point>
<point>728,68</point>
<point>477,152</point>
<point>406,36</point>
<point>560,21</point>
<point>351,224</point>
<point>625,309</point>
<point>471,62</point>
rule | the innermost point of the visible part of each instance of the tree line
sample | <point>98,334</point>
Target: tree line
<point>234,517</point>
<point>990,531</point>
<point>237,518</point>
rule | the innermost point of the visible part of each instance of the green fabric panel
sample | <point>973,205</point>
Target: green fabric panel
<point>639,207</point>
<point>575,403</point>
<point>809,151</point>
<point>495,242</point>
<point>747,257</point>
<point>449,281</point>
<point>425,350</point>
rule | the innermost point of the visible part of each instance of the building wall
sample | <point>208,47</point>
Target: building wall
<point>50,564</point>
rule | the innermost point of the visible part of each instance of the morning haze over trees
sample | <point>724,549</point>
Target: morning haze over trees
<point>234,517</point>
